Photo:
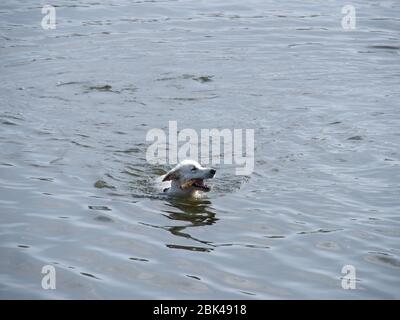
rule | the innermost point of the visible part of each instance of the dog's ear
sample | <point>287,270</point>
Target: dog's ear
<point>171,175</point>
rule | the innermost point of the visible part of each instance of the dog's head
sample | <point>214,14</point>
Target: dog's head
<point>190,176</point>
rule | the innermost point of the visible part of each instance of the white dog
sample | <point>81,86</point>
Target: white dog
<point>187,179</point>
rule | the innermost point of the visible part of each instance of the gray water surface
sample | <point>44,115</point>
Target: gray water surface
<point>76,191</point>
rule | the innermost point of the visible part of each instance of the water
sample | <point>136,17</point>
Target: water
<point>76,189</point>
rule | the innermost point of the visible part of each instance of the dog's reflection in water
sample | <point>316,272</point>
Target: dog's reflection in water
<point>196,213</point>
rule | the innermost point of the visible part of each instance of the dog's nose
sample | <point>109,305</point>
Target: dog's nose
<point>213,171</point>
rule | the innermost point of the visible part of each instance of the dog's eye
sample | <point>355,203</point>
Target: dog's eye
<point>194,169</point>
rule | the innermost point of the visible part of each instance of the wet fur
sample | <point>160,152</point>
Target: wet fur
<point>180,178</point>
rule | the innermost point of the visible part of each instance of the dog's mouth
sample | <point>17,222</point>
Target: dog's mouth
<point>197,184</point>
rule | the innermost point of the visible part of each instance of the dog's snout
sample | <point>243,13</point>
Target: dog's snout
<point>213,171</point>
